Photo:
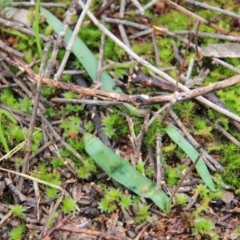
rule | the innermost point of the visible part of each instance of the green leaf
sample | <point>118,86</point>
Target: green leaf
<point>85,56</point>
<point>121,171</point>
<point>201,168</point>
<point>88,60</point>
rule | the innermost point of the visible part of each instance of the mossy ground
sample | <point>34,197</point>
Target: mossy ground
<point>88,189</point>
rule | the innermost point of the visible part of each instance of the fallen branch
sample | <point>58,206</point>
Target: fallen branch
<point>138,100</point>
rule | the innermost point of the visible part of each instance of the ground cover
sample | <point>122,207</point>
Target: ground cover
<point>119,120</point>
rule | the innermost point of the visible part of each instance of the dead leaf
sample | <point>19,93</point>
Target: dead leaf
<point>225,50</point>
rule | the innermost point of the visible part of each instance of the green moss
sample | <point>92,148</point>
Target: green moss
<point>17,233</point>
<point>68,205</point>
<point>174,20</point>
<point>48,175</point>
<point>114,126</point>
<point>112,198</point>
<point>153,130</point>
<point>90,35</point>
<point>113,51</point>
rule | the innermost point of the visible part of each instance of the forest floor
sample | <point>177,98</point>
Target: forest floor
<point>129,131</point>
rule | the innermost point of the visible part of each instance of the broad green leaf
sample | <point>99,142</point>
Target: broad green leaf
<point>121,171</point>
<point>201,167</point>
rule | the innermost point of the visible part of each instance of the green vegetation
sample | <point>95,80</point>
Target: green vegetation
<point>114,125</point>
<point>74,117</point>
<point>203,226</point>
<point>143,214</point>
<point>68,205</point>
<point>112,198</point>
<point>51,175</point>
<point>18,211</point>
<point>17,233</point>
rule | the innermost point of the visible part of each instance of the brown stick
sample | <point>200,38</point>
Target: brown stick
<point>88,232</point>
<point>102,9</point>
<point>133,99</point>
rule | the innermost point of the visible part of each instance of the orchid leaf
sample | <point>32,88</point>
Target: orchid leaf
<point>121,171</point>
<point>201,167</point>
<point>88,60</point>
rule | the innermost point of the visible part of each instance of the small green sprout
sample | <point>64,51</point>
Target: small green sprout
<point>68,205</point>
<point>181,199</point>
<point>51,192</point>
<point>89,126</point>
<point>17,233</point>
<point>237,229</point>
<point>48,175</point>
<point>52,219</point>
<point>106,206</point>
<point>125,201</point>
<point>83,173</point>
<point>18,211</point>
<point>86,169</point>
<point>202,226</point>
<point>172,176</point>
<point>140,167</point>
<point>143,213</point>
<point>19,162</point>
<point>114,126</point>
<point>57,162</point>
<point>113,198</point>
<point>114,195</point>
<point>71,126</point>
<point>202,190</point>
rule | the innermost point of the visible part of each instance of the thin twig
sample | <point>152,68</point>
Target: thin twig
<point>18,27</point>
<point>71,41</point>
<point>121,10</point>
<point>209,35</point>
<point>67,21</point>
<point>141,33</point>
<point>184,177</point>
<point>138,6</point>
<point>143,230</point>
<point>148,5</point>
<point>102,9</point>
<point>215,9</point>
<point>86,101</point>
<point>224,132</point>
<point>227,65</point>
<point>86,231</point>
<point>58,138</point>
<point>156,50</point>
<point>159,162</point>
<point>126,22</point>
<point>25,167</point>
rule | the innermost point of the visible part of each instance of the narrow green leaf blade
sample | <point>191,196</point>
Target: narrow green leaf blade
<point>201,167</point>
<point>82,52</point>
<point>122,172</point>
<point>88,60</point>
